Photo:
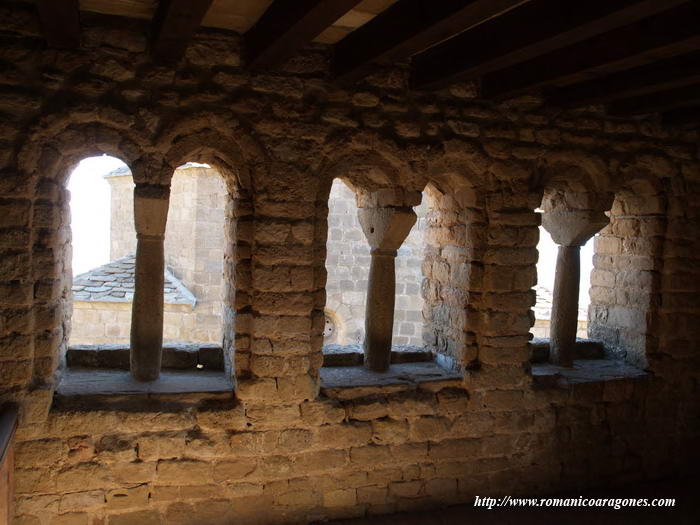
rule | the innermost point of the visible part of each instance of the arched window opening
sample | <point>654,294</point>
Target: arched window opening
<point>615,287</point>
<point>192,247</point>
<point>104,247</point>
<point>194,255</point>
<point>348,264</point>
<point>546,271</point>
<point>571,217</point>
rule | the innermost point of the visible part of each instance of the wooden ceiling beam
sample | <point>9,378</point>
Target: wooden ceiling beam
<point>529,31</point>
<point>174,24</point>
<point>675,72</point>
<point>60,22</point>
<point>289,25</point>
<point>688,96</point>
<point>407,27</point>
<point>669,34</point>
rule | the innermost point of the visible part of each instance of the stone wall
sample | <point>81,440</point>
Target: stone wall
<point>97,323</point>
<point>280,452</point>
<point>122,235</point>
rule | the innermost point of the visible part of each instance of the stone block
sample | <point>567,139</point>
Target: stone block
<point>233,470</point>
<point>142,517</point>
<point>183,472</point>
<point>389,431</point>
<point>127,498</point>
<point>41,452</point>
<point>71,518</point>
<point>83,500</point>
<point>344,435</point>
<point>370,456</point>
<point>373,495</point>
<point>455,448</point>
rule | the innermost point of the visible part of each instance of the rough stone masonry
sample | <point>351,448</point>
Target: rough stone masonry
<point>277,449</point>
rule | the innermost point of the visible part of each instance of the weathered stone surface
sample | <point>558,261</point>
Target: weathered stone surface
<point>573,227</point>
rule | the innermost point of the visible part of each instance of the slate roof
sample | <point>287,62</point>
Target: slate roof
<point>124,170</point>
<point>114,282</point>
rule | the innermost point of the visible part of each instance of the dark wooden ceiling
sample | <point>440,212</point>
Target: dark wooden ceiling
<point>636,56</point>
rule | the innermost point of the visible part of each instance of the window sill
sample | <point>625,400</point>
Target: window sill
<point>583,349</point>
<point>353,355</point>
<point>549,376</point>
<point>176,356</point>
<point>90,388</point>
<point>348,382</point>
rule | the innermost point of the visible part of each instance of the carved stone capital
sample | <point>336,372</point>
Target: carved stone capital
<point>151,210</point>
<point>573,227</point>
<point>386,228</point>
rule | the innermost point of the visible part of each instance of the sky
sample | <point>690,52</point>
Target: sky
<point>547,262</point>
<point>89,206</point>
<point>90,212</point>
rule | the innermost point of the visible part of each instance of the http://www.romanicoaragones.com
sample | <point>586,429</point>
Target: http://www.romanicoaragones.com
<point>613,503</point>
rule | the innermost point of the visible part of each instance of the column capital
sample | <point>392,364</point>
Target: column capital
<point>151,210</point>
<point>386,227</point>
<point>573,227</point>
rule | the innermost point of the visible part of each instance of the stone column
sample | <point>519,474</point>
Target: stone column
<point>570,229</point>
<point>150,216</point>
<point>385,228</point>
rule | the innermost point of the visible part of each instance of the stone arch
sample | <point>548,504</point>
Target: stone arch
<point>573,170</point>
<point>459,172</point>
<point>220,139</point>
<point>363,171</point>
<point>572,181</point>
<point>58,141</point>
<point>374,171</point>
<point>54,146</point>
<point>367,162</point>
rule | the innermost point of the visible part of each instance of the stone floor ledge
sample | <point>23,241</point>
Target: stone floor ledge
<point>88,388</point>
<point>547,375</point>
<point>357,381</point>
